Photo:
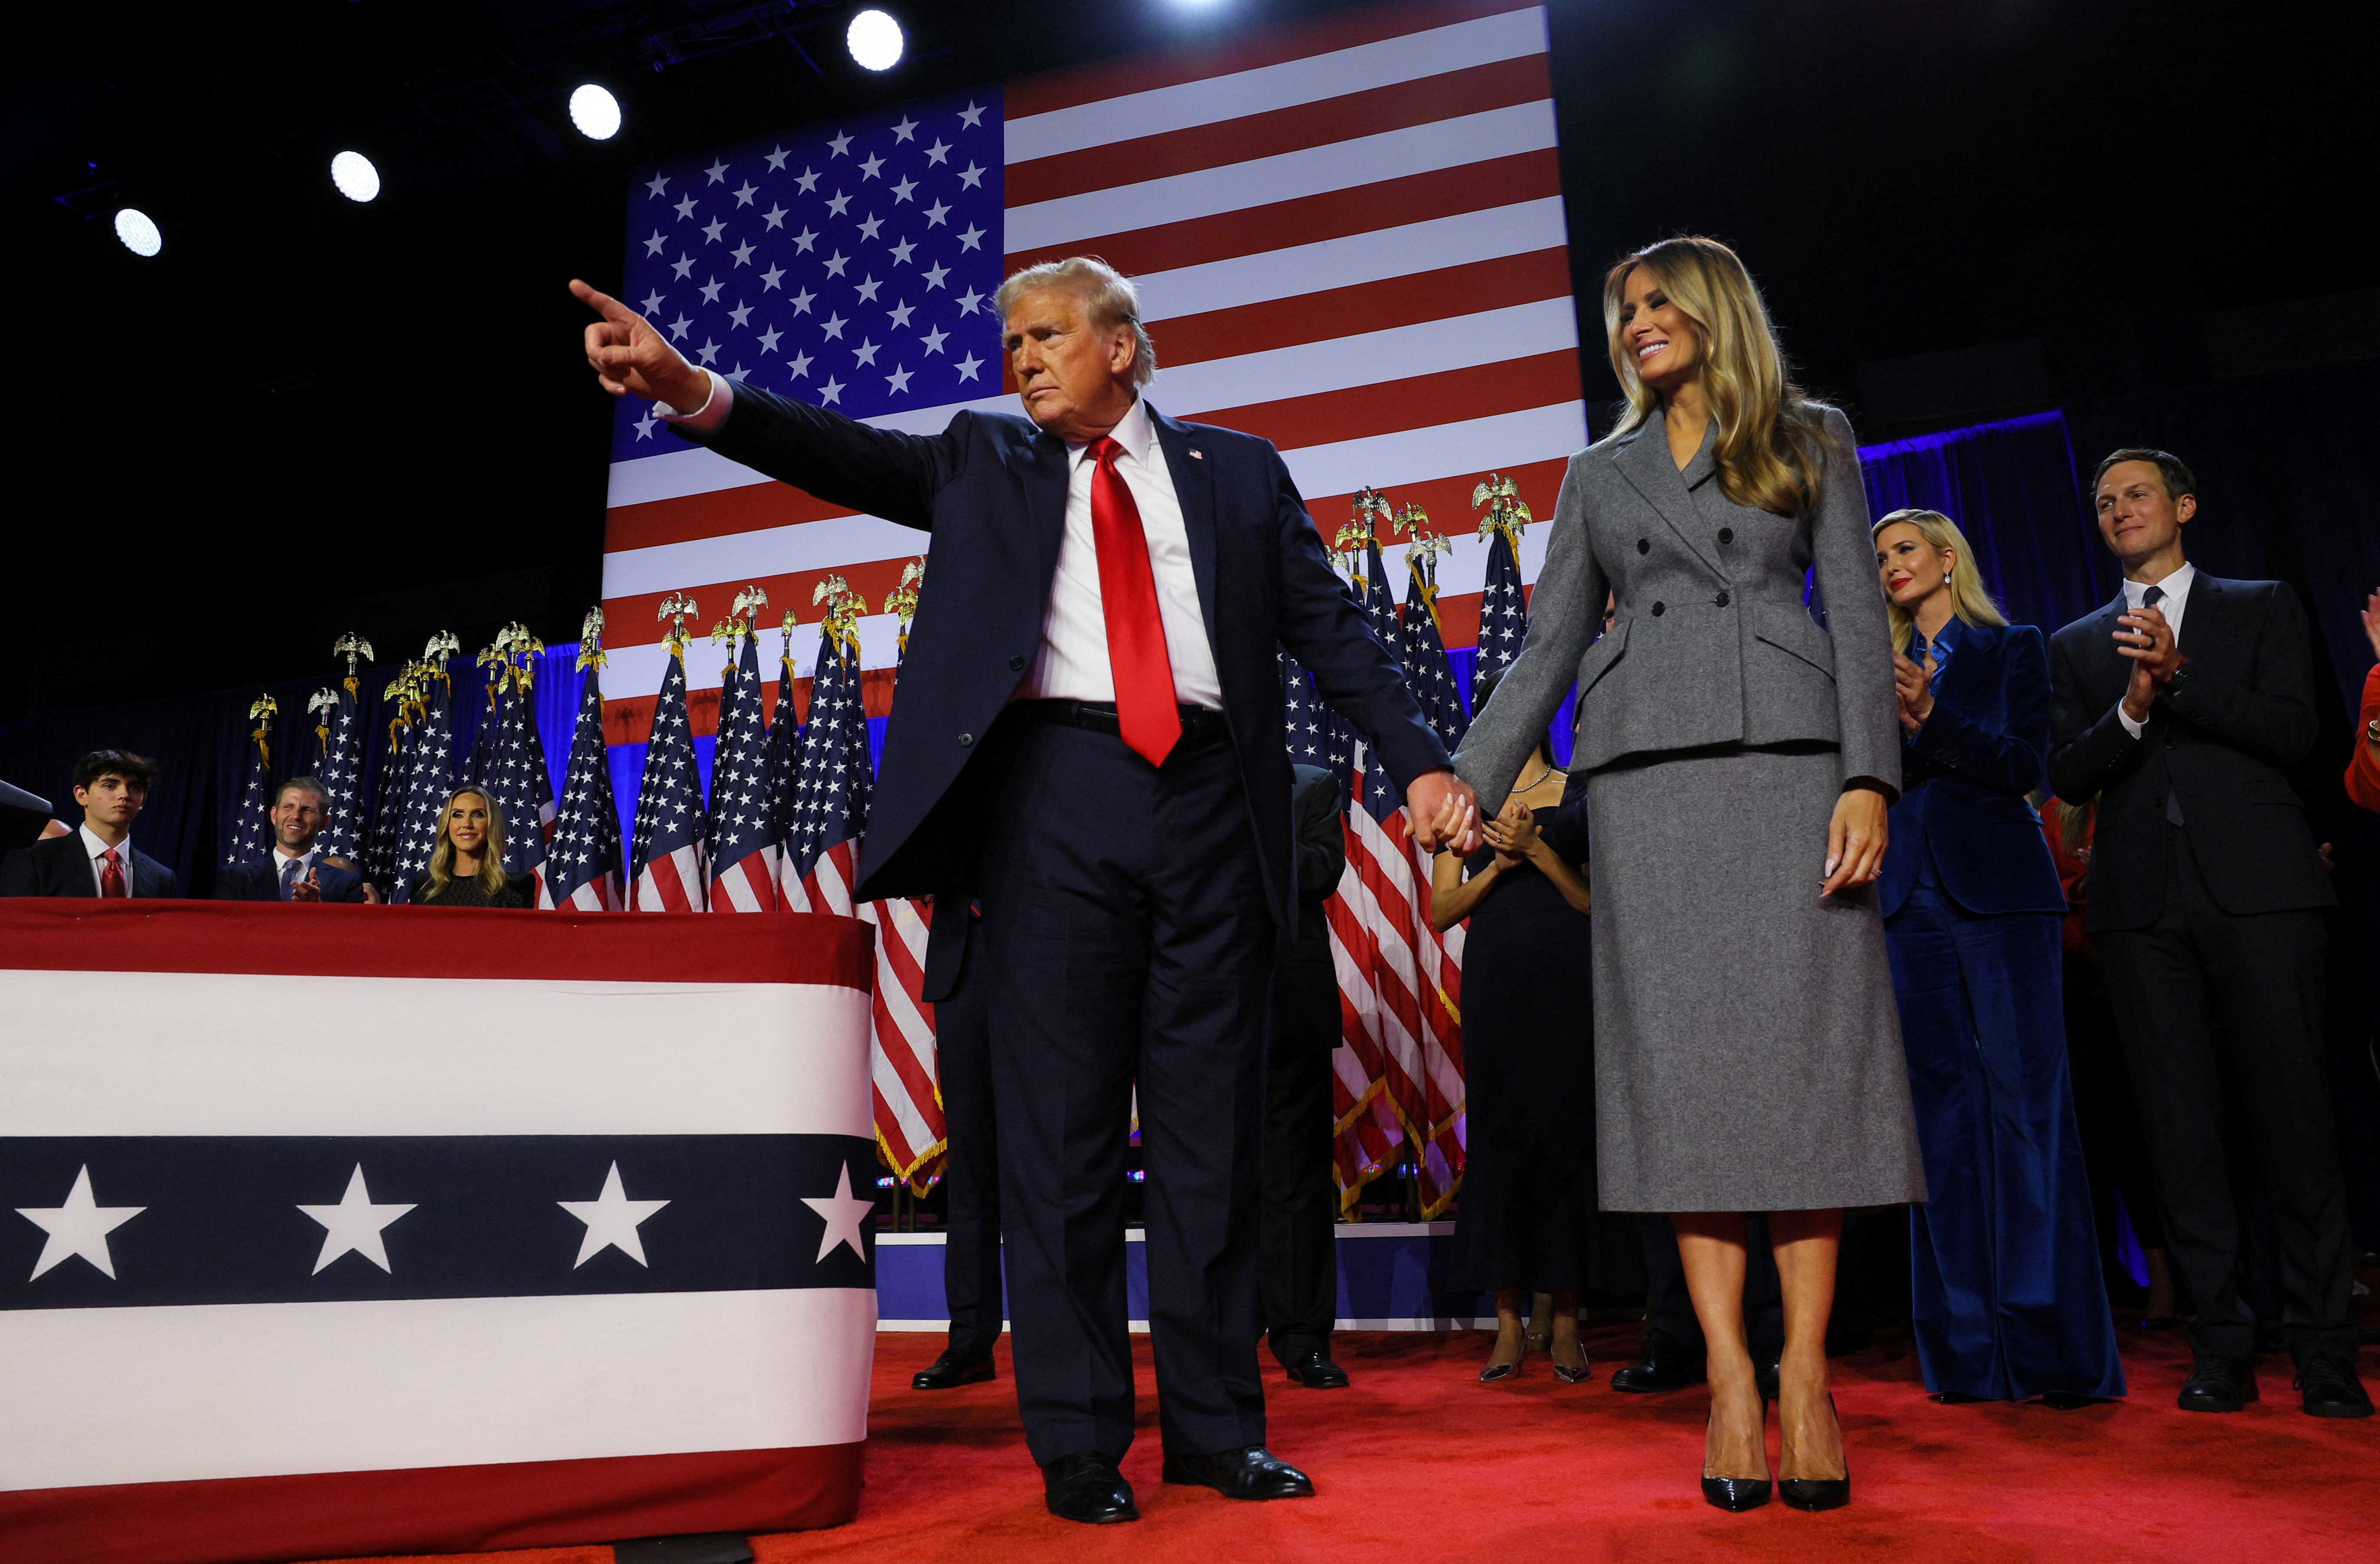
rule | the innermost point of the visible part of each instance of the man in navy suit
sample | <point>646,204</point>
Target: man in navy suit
<point>2180,706</point>
<point>1088,737</point>
<point>297,869</point>
<point>98,859</point>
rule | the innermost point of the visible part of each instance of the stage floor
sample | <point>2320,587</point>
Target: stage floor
<point>1418,1460</point>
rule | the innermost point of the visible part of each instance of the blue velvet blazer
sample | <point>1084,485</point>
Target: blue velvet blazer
<point>1964,776</point>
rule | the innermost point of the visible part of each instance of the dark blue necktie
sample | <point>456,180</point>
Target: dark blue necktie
<point>289,868</point>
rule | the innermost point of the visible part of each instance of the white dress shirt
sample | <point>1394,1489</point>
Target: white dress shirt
<point>2175,598</point>
<point>281,861</point>
<point>1073,662</point>
<point>94,846</point>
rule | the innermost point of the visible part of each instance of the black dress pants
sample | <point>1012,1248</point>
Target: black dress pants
<point>1670,1308</point>
<point>1130,939</point>
<point>1298,1267</point>
<point>971,1162</point>
<point>2199,987</point>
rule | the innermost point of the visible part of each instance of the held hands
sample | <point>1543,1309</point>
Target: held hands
<point>1513,833</point>
<point>1856,840</point>
<point>1444,812</point>
<point>627,356</point>
<point>1915,687</point>
<point>2148,640</point>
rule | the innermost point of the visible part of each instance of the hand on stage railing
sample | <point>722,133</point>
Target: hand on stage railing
<point>1444,812</point>
<point>628,355</point>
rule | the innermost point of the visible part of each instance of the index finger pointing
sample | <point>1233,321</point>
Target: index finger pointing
<point>603,304</point>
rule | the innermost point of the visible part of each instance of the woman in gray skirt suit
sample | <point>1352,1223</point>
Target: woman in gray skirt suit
<point>1741,758</point>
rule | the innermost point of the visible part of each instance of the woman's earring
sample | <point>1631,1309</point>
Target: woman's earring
<point>1946,578</point>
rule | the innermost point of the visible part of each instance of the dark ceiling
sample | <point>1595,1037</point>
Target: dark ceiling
<point>308,413</point>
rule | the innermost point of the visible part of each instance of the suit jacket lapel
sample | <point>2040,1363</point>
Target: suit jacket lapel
<point>1044,474</point>
<point>1646,463</point>
<point>2106,662</point>
<point>1974,640</point>
<point>1194,488</point>
<point>2205,597</point>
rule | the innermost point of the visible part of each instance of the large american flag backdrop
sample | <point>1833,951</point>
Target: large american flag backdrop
<point>1350,240</point>
<point>369,1230</point>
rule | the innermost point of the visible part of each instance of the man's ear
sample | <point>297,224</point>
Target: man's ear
<point>2184,508</point>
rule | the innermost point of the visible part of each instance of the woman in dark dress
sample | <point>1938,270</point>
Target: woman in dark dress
<point>466,867</point>
<point>1527,1219</point>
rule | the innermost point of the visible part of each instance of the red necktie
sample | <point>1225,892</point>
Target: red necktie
<point>110,875</point>
<point>1144,673</point>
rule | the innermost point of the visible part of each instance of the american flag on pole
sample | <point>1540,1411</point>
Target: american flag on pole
<point>514,770</point>
<point>583,872</point>
<point>342,768</point>
<point>251,824</point>
<point>743,849</point>
<point>1504,606</point>
<point>665,855</point>
<point>387,815</point>
<point>431,770</point>
<point>784,747</point>
<point>1348,232</point>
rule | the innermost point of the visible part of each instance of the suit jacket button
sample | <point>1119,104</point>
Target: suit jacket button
<point>1721,599</point>
<point>1727,534</point>
<point>1660,609</point>
<point>965,739</point>
<point>1017,665</point>
<point>1643,545</point>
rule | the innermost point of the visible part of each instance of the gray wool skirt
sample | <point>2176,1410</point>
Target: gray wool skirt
<point>1747,1048</point>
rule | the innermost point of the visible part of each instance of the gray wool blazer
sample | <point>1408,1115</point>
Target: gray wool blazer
<point>1711,644</point>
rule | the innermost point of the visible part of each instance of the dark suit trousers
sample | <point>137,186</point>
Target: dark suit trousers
<point>1130,939</point>
<point>2196,989</point>
<point>1299,1273</point>
<point>970,1164</point>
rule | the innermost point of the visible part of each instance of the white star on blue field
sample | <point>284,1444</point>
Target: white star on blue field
<point>849,264</point>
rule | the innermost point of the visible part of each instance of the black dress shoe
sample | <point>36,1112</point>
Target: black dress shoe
<point>1735,1494</point>
<point>1816,1493</point>
<point>1088,1488</point>
<point>950,1371</point>
<point>1667,1365</point>
<point>2218,1385</point>
<point>2331,1388</point>
<point>1250,1471</point>
<point>1317,1372</point>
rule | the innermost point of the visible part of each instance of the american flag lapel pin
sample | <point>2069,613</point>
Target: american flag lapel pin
<point>1197,454</point>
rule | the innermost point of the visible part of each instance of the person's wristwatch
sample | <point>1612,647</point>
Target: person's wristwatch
<point>2372,732</point>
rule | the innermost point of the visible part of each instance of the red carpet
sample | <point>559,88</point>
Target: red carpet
<point>1419,1460</point>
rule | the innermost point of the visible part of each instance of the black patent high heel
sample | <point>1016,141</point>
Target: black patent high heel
<point>1737,1494</point>
<point>1820,1493</point>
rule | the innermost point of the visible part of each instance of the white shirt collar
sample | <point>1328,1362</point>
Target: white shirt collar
<point>94,846</point>
<point>2174,585</point>
<point>1135,433</point>
<point>278,852</point>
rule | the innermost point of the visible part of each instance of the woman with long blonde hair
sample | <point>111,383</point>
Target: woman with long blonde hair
<point>466,867</point>
<point>2007,1297</point>
<point>1740,757</point>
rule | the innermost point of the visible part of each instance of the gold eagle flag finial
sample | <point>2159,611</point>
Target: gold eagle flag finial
<point>321,703</point>
<point>591,642</point>
<point>1425,544</point>
<point>1507,511</point>
<point>261,711</point>
<point>676,608</point>
<point>356,649</point>
<point>521,652</point>
<point>903,599</point>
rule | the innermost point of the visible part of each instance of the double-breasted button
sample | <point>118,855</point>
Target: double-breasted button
<point>1016,663</point>
<point>965,739</point>
<point>1660,609</point>
<point>1721,599</point>
<point>1727,534</point>
<point>1643,545</point>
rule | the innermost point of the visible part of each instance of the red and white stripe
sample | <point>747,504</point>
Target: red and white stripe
<point>902,1066</point>
<point>1360,214</point>
<point>595,896</point>
<point>748,885</point>
<point>672,883</point>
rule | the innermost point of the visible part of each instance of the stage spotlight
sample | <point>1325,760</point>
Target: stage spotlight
<point>354,174</point>
<point>875,39</point>
<point>139,233</point>
<point>595,112</point>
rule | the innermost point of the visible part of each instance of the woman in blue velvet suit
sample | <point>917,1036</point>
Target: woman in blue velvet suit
<point>2008,1302</point>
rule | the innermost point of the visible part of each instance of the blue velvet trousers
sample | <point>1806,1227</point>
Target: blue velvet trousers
<point>2007,1297</point>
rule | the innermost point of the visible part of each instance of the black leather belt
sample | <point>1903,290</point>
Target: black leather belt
<point>1200,725</point>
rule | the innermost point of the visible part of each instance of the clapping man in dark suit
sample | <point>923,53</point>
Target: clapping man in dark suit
<point>297,869</point>
<point>99,859</point>
<point>1088,736</point>
<point>2180,704</point>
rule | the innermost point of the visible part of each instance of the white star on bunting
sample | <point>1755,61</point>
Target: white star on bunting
<point>612,1220</point>
<point>844,1212</point>
<point>354,1223</point>
<point>77,1228</point>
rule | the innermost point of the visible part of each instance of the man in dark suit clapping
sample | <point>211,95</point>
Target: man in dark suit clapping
<point>2180,704</point>
<point>297,869</point>
<point>98,859</point>
<point>1089,738</point>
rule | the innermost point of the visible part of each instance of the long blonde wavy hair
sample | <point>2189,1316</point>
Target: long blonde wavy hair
<point>1969,599</point>
<point>491,852</point>
<point>1772,439</point>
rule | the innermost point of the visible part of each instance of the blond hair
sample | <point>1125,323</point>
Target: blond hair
<point>1107,295</point>
<point>1969,599</point>
<point>1773,441</point>
<point>491,877</point>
